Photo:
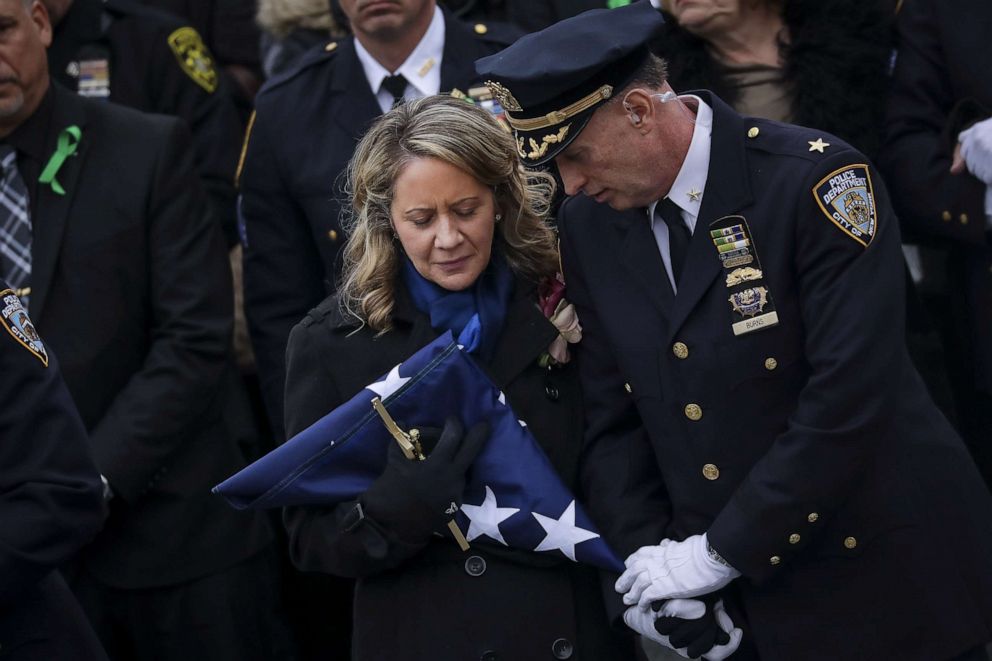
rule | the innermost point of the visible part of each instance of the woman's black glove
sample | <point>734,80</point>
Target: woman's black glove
<point>698,636</point>
<point>413,498</point>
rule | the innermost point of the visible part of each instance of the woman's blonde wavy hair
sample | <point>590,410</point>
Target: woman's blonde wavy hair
<point>462,135</point>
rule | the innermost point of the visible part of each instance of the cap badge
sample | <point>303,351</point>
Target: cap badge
<point>504,97</point>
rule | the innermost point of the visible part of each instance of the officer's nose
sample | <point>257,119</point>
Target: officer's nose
<point>570,177</point>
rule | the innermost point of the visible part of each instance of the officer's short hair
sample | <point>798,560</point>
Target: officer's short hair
<point>653,72</point>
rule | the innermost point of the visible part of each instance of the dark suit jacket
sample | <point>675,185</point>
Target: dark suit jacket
<point>131,286</point>
<point>421,592</point>
<point>307,124</point>
<point>51,504</point>
<point>816,460</point>
<point>941,85</point>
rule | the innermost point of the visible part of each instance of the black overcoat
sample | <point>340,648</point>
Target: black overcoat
<point>131,287</point>
<point>809,450</point>
<point>430,601</point>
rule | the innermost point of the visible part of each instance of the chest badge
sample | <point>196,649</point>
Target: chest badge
<point>750,300</point>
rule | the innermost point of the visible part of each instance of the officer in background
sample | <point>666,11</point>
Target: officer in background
<point>755,428</point>
<point>139,57</point>
<point>937,160</point>
<point>51,497</point>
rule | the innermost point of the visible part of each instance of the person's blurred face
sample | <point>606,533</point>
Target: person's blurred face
<point>25,33</point>
<point>706,17</point>
<point>445,220</point>
<point>383,19</point>
<point>606,163</point>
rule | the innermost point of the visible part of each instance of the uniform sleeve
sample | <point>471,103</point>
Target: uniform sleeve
<point>620,481</point>
<point>191,307</point>
<point>51,496</point>
<point>206,105</point>
<point>925,116</point>
<point>852,305</point>
<point>282,268</point>
<point>330,539</point>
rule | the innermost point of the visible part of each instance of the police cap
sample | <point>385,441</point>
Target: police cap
<point>550,82</point>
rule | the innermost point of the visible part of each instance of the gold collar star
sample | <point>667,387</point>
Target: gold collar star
<point>818,145</point>
<point>694,195</point>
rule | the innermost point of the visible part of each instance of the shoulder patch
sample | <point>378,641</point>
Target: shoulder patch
<point>846,198</point>
<point>15,319</point>
<point>194,57</point>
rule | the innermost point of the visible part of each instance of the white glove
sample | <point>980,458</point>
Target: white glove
<point>672,570</point>
<point>976,149</point>
<point>642,621</point>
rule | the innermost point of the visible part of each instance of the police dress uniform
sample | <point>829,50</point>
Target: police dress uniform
<point>426,599</point>
<point>770,402</point>
<point>121,51</point>
<point>940,87</point>
<point>306,126</point>
<point>51,499</point>
<point>130,285</point>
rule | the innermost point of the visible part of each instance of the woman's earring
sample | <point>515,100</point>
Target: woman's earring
<point>499,217</point>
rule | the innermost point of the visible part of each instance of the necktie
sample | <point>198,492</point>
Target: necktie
<point>15,223</point>
<point>395,85</point>
<point>678,236</point>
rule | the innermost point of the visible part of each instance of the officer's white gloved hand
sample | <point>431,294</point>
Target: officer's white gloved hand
<point>642,620</point>
<point>976,149</point>
<point>672,570</point>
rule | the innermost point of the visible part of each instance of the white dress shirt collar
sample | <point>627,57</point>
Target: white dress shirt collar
<point>422,69</point>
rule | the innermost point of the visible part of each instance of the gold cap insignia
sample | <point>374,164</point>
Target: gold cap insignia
<point>504,97</point>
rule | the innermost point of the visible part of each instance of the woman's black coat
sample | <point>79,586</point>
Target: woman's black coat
<point>430,600</point>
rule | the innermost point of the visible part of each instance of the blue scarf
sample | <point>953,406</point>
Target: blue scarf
<point>475,315</point>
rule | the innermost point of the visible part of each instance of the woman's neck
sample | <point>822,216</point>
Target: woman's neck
<point>754,40</point>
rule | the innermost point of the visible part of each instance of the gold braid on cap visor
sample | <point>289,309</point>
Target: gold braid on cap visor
<point>558,116</point>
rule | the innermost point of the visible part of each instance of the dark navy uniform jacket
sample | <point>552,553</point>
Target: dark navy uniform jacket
<point>51,501</point>
<point>156,64</point>
<point>809,450</point>
<point>307,124</point>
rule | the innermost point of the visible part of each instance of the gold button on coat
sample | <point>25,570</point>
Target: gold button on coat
<point>963,218</point>
<point>711,472</point>
<point>694,412</point>
<point>794,538</point>
<point>850,543</point>
<point>480,28</point>
<point>332,235</point>
<point>946,216</point>
<point>680,350</point>
<point>813,517</point>
<point>770,364</point>
<point>753,132</point>
<point>331,46</point>
<point>774,560</point>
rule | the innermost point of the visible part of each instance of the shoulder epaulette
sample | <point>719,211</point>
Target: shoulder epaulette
<point>316,55</point>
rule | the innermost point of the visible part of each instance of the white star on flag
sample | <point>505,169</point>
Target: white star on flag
<point>562,533</point>
<point>389,385</point>
<point>484,519</point>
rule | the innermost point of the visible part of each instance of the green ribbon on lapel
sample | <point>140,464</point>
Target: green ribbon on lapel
<point>68,142</point>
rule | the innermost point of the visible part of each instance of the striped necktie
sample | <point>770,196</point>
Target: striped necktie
<point>15,223</point>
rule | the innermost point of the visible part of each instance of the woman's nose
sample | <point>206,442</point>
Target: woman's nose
<point>448,233</point>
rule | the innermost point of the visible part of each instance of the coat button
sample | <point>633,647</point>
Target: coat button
<point>475,566</point>
<point>770,364</point>
<point>552,392</point>
<point>963,218</point>
<point>946,216</point>
<point>488,655</point>
<point>562,649</point>
<point>774,560</point>
<point>753,132</point>
<point>711,472</point>
<point>481,28</point>
<point>850,543</point>
<point>331,47</point>
<point>680,350</point>
<point>813,516</point>
<point>332,235</point>
<point>794,538</point>
<point>694,412</point>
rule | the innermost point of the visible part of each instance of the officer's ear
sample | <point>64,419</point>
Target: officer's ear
<point>638,107</point>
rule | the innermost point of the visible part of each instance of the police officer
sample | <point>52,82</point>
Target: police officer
<point>51,498</point>
<point>755,427</point>
<point>121,51</point>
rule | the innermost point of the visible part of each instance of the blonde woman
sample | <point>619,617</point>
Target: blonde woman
<point>447,232</point>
